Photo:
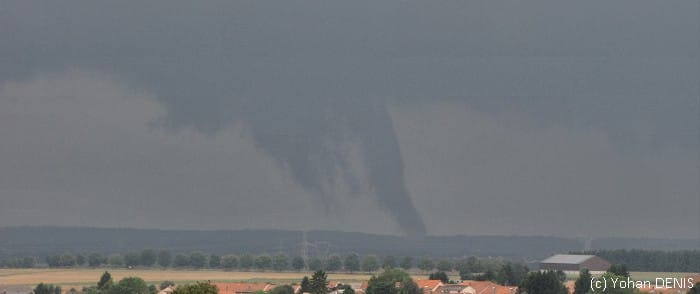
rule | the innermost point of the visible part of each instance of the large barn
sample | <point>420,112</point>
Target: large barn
<point>574,262</point>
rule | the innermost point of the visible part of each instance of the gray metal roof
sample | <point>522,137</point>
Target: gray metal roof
<point>567,258</point>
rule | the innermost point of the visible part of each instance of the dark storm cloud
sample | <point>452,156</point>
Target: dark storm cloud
<point>307,78</point>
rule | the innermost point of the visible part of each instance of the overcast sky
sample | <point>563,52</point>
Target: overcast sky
<point>398,117</point>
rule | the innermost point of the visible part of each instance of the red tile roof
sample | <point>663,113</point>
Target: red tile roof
<point>429,285</point>
<point>237,288</point>
<point>487,287</point>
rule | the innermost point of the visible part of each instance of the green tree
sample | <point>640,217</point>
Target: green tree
<point>95,259</point>
<point>229,262</point>
<point>385,283</point>
<point>166,284</point>
<point>444,265</point>
<point>408,286</point>
<point>181,260</point>
<point>375,285</point>
<point>80,260</point>
<point>347,289</point>
<point>263,262</point>
<point>334,263</point>
<point>305,286</point>
<point>132,259</point>
<point>506,275</point>
<point>488,275</point>
<point>91,290</point>
<point>562,275</point>
<point>406,263</point>
<point>199,288</point>
<point>426,264</point>
<point>440,275</point>
<point>318,283</point>
<point>583,283</point>
<point>467,267</point>
<point>370,263</point>
<point>388,262</point>
<point>620,270</point>
<point>280,262</point>
<point>198,259</point>
<point>214,261</point>
<point>489,269</point>
<point>461,266</point>
<point>284,289</point>
<point>53,260</point>
<point>116,260</point>
<point>67,260</point>
<point>352,262</point>
<point>520,270</point>
<point>247,261</point>
<point>298,263</point>
<point>129,285</point>
<point>542,283</point>
<point>148,257</point>
<point>165,258</point>
<point>105,281</point>
<point>475,264</point>
<point>42,288</point>
<point>315,264</point>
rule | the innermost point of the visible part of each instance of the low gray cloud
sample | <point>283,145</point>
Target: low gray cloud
<point>81,149</point>
<point>475,172</point>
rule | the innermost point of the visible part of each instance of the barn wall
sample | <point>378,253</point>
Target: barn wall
<point>559,266</point>
<point>596,264</point>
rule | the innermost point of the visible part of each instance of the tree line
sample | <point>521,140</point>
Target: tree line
<point>353,262</point>
<point>391,281</point>
<point>653,260</point>
<point>128,285</point>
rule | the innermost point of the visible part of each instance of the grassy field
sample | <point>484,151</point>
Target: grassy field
<point>84,277</point>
